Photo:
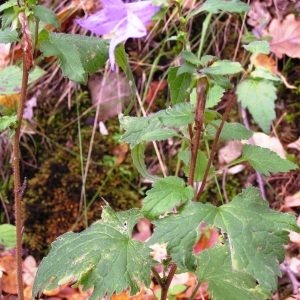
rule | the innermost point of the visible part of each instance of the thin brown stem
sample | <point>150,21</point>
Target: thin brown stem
<point>27,64</point>
<point>214,147</point>
<point>199,118</point>
<point>166,285</point>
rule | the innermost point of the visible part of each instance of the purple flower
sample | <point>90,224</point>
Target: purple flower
<point>122,20</point>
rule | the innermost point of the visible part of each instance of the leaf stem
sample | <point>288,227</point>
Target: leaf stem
<point>27,64</point>
<point>214,147</point>
<point>195,290</point>
<point>199,118</point>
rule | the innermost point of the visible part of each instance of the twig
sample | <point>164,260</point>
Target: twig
<point>214,147</point>
<point>199,117</point>
<point>27,64</point>
<point>293,278</point>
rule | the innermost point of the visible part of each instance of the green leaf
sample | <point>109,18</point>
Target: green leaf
<point>179,115</point>
<point>223,67</point>
<point>7,235</point>
<point>263,73</point>
<point>265,161</point>
<point>215,268</point>
<point>7,121</point>
<point>11,79</point>
<point>137,127</point>
<point>138,159</point>
<point>159,134</point>
<point>8,36</point>
<point>122,61</point>
<point>214,6</point>
<point>256,47</point>
<point>222,81</point>
<point>8,4</point>
<point>214,95</point>
<point>164,195</point>
<point>46,15</point>
<point>230,131</point>
<point>256,234</point>
<point>178,85</point>
<point>103,256</point>
<point>77,55</point>
<point>190,57</point>
<point>259,97</point>
<point>8,17</point>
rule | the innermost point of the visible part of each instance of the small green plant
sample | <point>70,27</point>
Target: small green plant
<point>244,263</point>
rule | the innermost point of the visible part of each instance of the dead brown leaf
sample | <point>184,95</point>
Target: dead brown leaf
<point>9,279</point>
<point>285,37</point>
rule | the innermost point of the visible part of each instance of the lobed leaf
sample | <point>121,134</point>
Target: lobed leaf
<point>164,195</point>
<point>258,96</point>
<point>103,256</point>
<point>215,268</point>
<point>265,161</point>
<point>255,233</point>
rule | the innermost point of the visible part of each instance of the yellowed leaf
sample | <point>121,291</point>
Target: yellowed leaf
<point>285,37</point>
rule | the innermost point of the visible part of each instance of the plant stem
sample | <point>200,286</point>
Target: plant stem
<point>166,285</point>
<point>199,117</point>
<point>27,64</point>
<point>214,146</point>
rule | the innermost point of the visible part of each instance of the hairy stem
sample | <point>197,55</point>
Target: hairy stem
<point>214,147</point>
<point>199,118</point>
<point>18,189</point>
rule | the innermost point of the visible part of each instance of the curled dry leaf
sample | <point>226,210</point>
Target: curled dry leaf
<point>285,37</point>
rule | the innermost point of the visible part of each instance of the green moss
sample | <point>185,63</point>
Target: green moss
<point>53,203</point>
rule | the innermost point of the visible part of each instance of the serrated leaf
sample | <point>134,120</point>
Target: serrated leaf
<point>186,68</point>
<point>78,55</point>
<point>11,79</point>
<point>222,81</point>
<point>259,97</point>
<point>7,236</point>
<point>190,57</point>
<point>137,127</point>
<point>256,47</point>
<point>7,121</point>
<point>46,15</point>
<point>230,131</point>
<point>8,36</point>
<point>256,234</point>
<point>223,67</point>
<point>164,195</point>
<point>179,115</point>
<point>215,6</point>
<point>138,159</point>
<point>265,161</point>
<point>103,256</point>
<point>214,96</point>
<point>215,268</point>
<point>178,85</point>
